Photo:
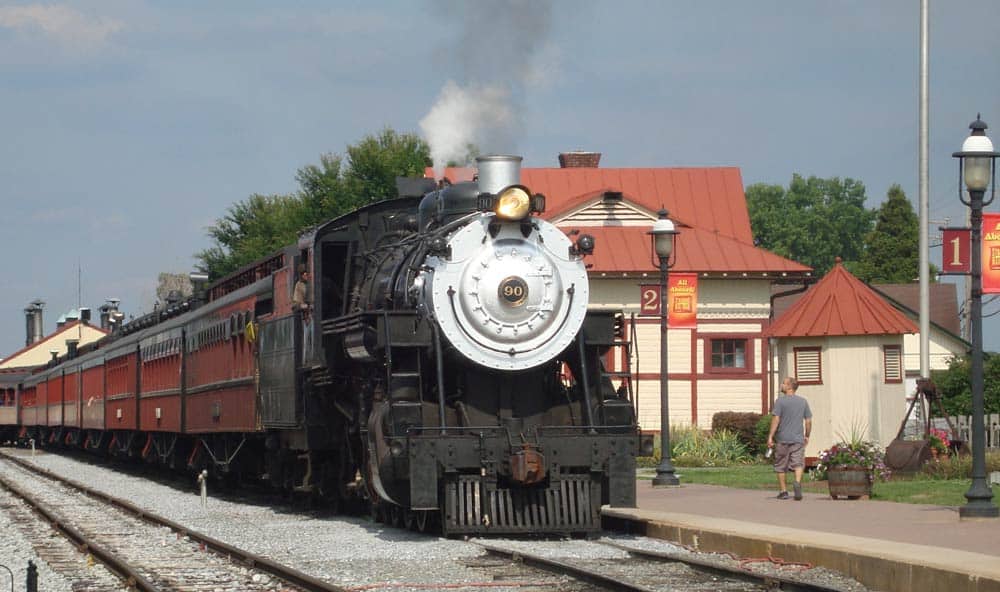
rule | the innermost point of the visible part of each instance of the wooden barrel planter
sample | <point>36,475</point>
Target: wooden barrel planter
<point>849,482</point>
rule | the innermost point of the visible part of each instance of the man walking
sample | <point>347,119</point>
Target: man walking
<point>790,427</point>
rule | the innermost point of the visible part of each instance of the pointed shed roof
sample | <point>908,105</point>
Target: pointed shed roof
<point>840,304</point>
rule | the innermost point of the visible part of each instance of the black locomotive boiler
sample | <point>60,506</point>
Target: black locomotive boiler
<point>458,337</point>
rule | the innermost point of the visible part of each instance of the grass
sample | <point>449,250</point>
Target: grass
<point>911,490</point>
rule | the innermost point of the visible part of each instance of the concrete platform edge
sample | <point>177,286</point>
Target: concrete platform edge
<point>878,564</point>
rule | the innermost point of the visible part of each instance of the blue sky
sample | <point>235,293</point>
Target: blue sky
<point>130,126</point>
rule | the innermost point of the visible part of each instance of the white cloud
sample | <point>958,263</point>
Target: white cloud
<point>60,23</point>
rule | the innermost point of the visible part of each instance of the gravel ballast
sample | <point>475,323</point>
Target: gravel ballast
<point>347,551</point>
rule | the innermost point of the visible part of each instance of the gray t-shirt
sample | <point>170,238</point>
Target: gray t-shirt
<point>792,409</point>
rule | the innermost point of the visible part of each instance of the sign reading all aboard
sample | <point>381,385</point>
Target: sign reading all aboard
<point>991,254</point>
<point>682,299</point>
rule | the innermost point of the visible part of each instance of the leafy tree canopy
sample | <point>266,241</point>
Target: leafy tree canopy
<point>892,249</point>
<point>813,222</point>
<point>955,385</point>
<point>261,224</point>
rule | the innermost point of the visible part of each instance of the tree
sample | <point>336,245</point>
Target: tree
<point>251,229</point>
<point>813,222</point>
<point>261,224</point>
<point>892,249</point>
<point>376,161</point>
<point>955,385</point>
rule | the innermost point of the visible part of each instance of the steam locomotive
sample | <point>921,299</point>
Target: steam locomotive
<point>449,373</point>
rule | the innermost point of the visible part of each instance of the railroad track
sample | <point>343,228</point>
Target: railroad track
<point>148,552</point>
<point>641,570</point>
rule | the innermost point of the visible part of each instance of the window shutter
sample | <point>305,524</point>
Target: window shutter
<point>808,366</point>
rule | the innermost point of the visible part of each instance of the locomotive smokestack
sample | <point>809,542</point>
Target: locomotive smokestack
<point>497,172</point>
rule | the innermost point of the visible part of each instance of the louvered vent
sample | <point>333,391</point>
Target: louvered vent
<point>808,365</point>
<point>893,359</point>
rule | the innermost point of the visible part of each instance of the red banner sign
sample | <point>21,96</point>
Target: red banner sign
<point>991,254</point>
<point>956,250</point>
<point>682,299</point>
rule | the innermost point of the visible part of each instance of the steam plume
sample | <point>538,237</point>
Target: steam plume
<point>496,49</point>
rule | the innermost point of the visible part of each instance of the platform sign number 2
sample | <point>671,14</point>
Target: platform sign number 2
<point>649,303</point>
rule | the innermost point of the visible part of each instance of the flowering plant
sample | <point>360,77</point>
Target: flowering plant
<point>939,441</point>
<point>856,453</point>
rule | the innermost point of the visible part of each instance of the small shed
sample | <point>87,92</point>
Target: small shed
<point>844,344</point>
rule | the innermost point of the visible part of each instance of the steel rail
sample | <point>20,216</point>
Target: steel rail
<point>779,582</point>
<point>284,572</point>
<point>561,568</point>
<point>84,544</point>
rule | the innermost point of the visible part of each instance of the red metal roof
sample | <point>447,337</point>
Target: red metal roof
<point>627,249</point>
<point>707,198</point>
<point>840,304</point>
<point>707,203</point>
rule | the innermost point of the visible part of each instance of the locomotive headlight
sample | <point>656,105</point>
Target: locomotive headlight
<point>513,203</point>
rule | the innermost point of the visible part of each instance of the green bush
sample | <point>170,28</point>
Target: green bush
<point>958,467</point>
<point>740,424</point>
<point>692,447</point>
<point>761,430</point>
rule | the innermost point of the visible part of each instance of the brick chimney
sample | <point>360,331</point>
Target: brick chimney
<point>579,159</point>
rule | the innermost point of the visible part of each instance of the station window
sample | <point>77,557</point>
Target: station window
<point>729,354</point>
<point>808,365</point>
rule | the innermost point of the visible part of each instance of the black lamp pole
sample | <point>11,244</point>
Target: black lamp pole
<point>976,161</point>
<point>663,236</point>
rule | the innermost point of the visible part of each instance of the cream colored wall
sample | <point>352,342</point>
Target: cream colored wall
<point>854,395</point>
<point>679,392</point>
<point>40,353</point>
<point>717,299</point>
<point>726,395</point>
<point>646,350</point>
<point>943,348</point>
<point>742,302</point>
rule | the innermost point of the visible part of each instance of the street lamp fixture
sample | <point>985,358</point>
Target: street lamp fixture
<point>977,168</point>
<point>663,235</point>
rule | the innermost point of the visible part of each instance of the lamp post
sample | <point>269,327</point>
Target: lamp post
<point>663,236</point>
<point>976,165</point>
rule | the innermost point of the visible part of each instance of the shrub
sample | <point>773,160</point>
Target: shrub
<point>692,447</point>
<point>743,425</point>
<point>761,430</point>
<point>958,466</point>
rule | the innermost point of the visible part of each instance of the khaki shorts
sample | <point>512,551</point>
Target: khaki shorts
<point>788,456</point>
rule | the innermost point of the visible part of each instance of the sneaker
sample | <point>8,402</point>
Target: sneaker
<point>783,495</point>
<point>798,491</point>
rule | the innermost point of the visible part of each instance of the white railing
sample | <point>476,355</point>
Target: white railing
<point>963,424</point>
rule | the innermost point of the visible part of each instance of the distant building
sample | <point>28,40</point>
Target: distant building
<point>39,352</point>
<point>945,338</point>
<point>844,343</point>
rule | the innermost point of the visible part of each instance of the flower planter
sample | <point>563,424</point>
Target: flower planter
<point>849,482</point>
